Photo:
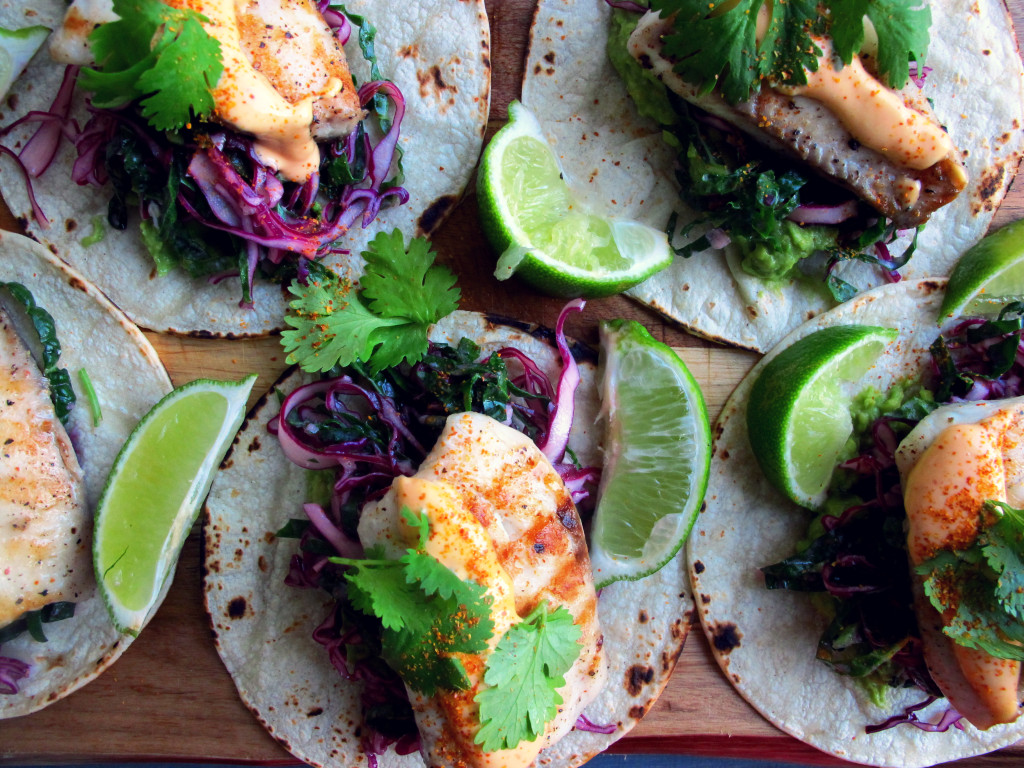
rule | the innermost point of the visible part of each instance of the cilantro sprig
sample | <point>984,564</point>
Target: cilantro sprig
<point>983,585</point>
<point>428,613</point>
<point>523,676</point>
<point>715,43</point>
<point>402,292</point>
<point>157,52</point>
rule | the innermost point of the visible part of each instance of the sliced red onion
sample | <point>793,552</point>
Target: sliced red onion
<point>828,215</point>
<point>342,543</point>
<point>577,479</point>
<point>918,78</point>
<point>37,212</point>
<point>718,238</point>
<point>40,150</point>
<point>557,438</point>
<point>627,5</point>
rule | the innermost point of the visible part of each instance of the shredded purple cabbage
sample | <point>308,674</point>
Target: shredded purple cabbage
<point>11,671</point>
<point>274,223</point>
<point>950,717</point>
<point>583,723</point>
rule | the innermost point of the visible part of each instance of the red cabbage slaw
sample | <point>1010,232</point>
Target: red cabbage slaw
<point>274,221</point>
<point>11,671</point>
<point>364,469</point>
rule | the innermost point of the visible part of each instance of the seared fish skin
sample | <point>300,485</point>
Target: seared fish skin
<point>532,532</point>
<point>810,133</point>
<point>44,551</point>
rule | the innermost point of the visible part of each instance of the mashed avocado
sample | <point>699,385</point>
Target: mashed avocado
<point>794,243</point>
<point>648,93</point>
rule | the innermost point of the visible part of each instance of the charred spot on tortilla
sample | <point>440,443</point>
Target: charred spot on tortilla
<point>705,599</point>
<point>255,444</point>
<point>638,712</point>
<point>637,677</point>
<point>435,213</point>
<point>642,618</point>
<point>315,712</point>
<point>237,608</point>
<point>991,187</point>
<point>725,637</point>
<point>698,566</point>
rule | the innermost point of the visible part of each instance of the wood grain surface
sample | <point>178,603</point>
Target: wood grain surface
<point>170,698</point>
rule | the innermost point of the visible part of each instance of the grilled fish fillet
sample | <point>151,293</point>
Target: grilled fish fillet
<point>502,516</point>
<point>291,44</point>
<point>44,554</point>
<point>810,132</point>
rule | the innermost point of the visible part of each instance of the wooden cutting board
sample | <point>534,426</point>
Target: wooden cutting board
<point>170,698</point>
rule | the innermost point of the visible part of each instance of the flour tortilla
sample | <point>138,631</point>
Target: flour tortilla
<point>436,52</point>
<point>263,627</point>
<point>765,640</point>
<point>617,162</point>
<point>128,379</point>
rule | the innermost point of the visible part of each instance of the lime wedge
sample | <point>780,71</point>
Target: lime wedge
<point>657,455</point>
<point>798,415</point>
<point>17,47</point>
<point>530,215</point>
<point>152,496</point>
<point>988,275</point>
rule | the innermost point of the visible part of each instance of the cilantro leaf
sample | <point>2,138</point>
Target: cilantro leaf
<point>713,47</point>
<point>380,588</point>
<point>981,588</point>
<point>427,612</point>
<point>332,326</point>
<point>158,52</point>
<point>902,29</point>
<point>714,44</point>
<point>397,279</point>
<point>402,293</point>
<point>523,674</point>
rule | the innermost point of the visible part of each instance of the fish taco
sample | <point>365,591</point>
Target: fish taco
<point>55,639</point>
<point>872,626</point>
<point>782,201</point>
<point>321,686</point>
<point>303,129</point>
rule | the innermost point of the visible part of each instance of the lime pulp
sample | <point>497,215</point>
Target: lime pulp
<point>154,490</point>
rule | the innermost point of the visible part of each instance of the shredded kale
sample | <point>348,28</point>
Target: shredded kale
<point>62,394</point>
<point>33,621</point>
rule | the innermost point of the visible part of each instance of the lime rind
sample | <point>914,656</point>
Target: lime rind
<point>988,275</point>
<point>543,234</point>
<point>798,414</point>
<point>157,550</point>
<point>657,455</point>
<point>17,47</point>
